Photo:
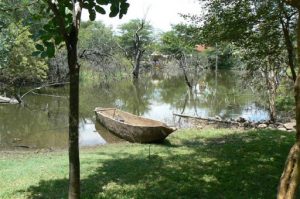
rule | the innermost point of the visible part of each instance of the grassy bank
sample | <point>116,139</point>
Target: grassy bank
<point>190,164</point>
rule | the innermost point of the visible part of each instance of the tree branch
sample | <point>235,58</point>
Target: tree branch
<point>44,86</point>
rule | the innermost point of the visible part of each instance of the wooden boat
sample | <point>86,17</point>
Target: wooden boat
<point>131,127</point>
<point>6,100</point>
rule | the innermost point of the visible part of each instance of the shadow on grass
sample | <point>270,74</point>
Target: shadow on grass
<point>245,165</point>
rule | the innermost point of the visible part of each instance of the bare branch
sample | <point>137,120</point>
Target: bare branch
<point>44,86</point>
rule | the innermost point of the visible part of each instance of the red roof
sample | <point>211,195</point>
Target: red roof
<point>200,48</point>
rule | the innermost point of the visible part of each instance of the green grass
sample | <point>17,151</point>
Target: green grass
<point>190,164</point>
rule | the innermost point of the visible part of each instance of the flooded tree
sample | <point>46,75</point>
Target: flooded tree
<point>135,39</point>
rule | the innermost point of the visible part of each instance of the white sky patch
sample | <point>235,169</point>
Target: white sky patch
<point>160,13</point>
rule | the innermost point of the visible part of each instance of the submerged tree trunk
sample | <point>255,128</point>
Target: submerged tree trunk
<point>290,177</point>
<point>138,51</point>
<point>137,62</point>
<point>182,65</point>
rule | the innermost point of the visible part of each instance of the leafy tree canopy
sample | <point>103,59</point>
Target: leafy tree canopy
<point>61,18</point>
<point>20,64</point>
<point>181,39</point>
<point>96,36</point>
<point>261,29</point>
<point>127,33</point>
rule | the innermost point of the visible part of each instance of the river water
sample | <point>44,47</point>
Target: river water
<point>43,121</point>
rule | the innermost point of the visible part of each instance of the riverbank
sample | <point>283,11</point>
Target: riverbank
<point>208,163</point>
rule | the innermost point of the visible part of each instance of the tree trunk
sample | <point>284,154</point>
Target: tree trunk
<point>290,51</point>
<point>272,108</point>
<point>182,64</point>
<point>289,180</point>
<point>288,41</point>
<point>137,62</point>
<point>272,90</point>
<point>74,165</point>
<point>138,51</point>
<point>290,177</point>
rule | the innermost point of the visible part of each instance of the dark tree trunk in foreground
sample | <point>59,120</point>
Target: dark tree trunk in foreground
<point>68,30</point>
<point>289,180</point>
<point>71,38</point>
<point>74,164</point>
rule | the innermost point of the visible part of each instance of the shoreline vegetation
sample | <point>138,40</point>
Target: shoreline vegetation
<point>206,163</point>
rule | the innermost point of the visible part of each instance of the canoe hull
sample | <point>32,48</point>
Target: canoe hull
<point>134,133</point>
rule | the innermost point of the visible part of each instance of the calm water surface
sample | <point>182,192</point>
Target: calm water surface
<point>42,122</point>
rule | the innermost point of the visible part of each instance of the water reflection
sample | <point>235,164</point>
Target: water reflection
<point>42,123</point>
<point>88,135</point>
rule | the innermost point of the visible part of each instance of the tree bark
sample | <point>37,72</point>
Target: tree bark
<point>74,160</point>
<point>289,180</point>
<point>137,61</point>
<point>182,64</point>
<point>272,90</point>
<point>138,51</point>
<point>290,177</point>
<point>288,42</point>
<point>74,164</point>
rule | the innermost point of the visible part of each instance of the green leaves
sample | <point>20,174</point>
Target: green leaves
<point>46,50</point>
<point>103,2</point>
<point>123,8</point>
<point>39,47</point>
<point>51,34</point>
<point>50,49</point>
<point>100,9</point>
<point>21,64</point>
<point>92,14</point>
<point>117,7</point>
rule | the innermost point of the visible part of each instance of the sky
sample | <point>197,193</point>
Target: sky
<point>160,13</point>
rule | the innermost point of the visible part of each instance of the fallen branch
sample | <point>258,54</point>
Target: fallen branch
<point>206,119</point>
<point>44,86</point>
<point>58,96</point>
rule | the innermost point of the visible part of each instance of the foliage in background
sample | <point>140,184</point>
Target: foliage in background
<point>99,50</point>
<point>178,40</point>
<point>285,100</point>
<point>257,28</point>
<point>21,65</point>
<point>97,36</point>
<point>16,44</point>
<point>263,31</point>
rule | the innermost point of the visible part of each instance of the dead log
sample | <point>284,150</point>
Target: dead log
<point>43,86</point>
<point>207,119</point>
